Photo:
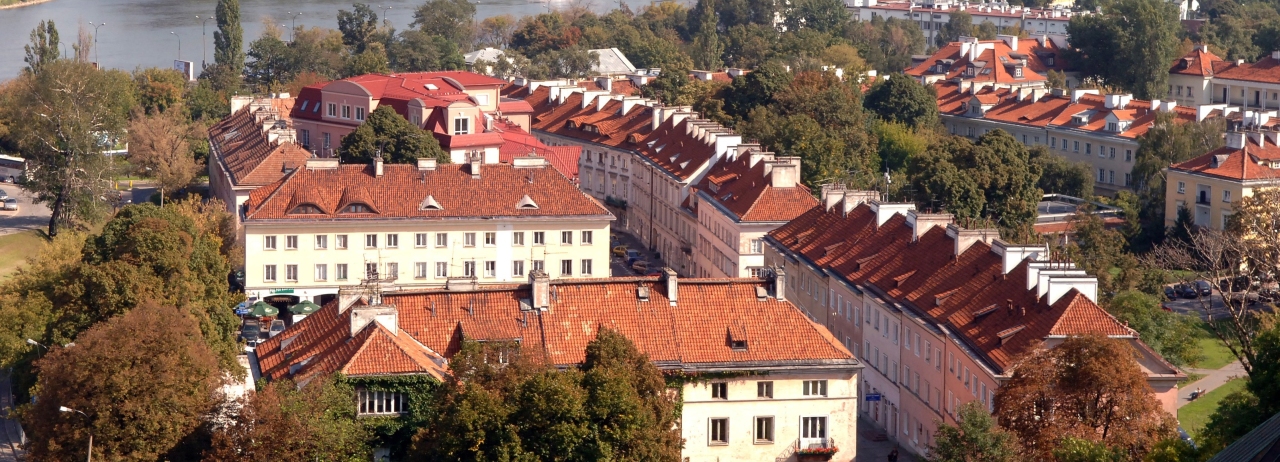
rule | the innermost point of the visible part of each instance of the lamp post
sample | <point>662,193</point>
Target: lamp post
<point>175,34</point>
<point>86,417</point>
<point>33,342</point>
<point>95,42</point>
<point>384,13</point>
<point>294,18</point>
<point>204,37</point>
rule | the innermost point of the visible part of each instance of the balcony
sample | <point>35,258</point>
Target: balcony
<point>815,449</point>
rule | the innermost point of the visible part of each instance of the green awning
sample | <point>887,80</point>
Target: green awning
<point>262,309</point>
<point>306,307</point>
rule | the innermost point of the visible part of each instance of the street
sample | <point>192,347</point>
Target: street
<point>28,216</point>
<point>618,265</point>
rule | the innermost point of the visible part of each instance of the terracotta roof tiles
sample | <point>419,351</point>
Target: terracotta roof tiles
<point>248,154</point>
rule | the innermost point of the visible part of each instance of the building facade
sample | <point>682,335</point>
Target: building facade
<point>1202,78</point>
<point>326,225</point>
<point>251,148</point>
<point>1008,61</point>
<point>932,15</point>
<point>1209,186</point>
<point>775,382</point>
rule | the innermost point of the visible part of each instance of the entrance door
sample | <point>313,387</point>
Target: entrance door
<point>813,431</point>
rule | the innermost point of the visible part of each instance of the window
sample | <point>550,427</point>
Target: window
<point>586,238</point>
<point>720,390</point>
<point>491,269</point>
<point>937,354</point>
<point>1111,152</point>
<point>539,238</point>
<point>1088,149</point>
<point>420,270</point>
<point>326,140</point>
<point>1111,177</point>
<point>566,267</point>
<point>815,388</point>
<point>269,273</point>
<point>442,239</point>
<point>322,272</point>
<point>517,238</point>
<point>291,273</point>
<point>718,434</point>
<point>813,427</point>
<point>359,113</point>
<point>490,239</point>
<point>482,99</point>
<point>1226,196</point>
<point>757,246</point>
<point>764,389</point>
<point>1182,188</point>
<point>764,430</point>
<point>566,237</point>
<point>1128,179</point>
<point>1102,175</point>
<point>420,240</point>
<point>1053,142</point>
<point>539,265</point>
<point>442,269</point>
<point>393,241</point>
<point>1128,155</point>
<point>370,270</point>
<point>1075,146</point>
<point>951,362</point>
<point>332,110</point>
<point>291,242</point>
<point>346,111</point>
<point>340,241</point>
<point>340,271</point>
<point>380,402</point>
<point>468,269</point>
<point>461,126</point>
<point>966,378</point>
<point>322,241</point>
<point>586,267</point>
<point>517,268</point>
<point>370,241</point>
<point>393,270</point>
<point>268,242</point>
<point>469,239</point>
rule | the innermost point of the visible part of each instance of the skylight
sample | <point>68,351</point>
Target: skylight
<point>526,203</point>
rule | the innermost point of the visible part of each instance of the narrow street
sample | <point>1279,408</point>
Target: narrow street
<point>618,265</point>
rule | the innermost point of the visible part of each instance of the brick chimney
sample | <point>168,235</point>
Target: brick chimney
<point>540,289</point>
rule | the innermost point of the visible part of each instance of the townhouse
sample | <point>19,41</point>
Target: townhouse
<point>326,225</point>
<point>252,147</point>
<point>932,15</point>
<point>937,311</point>
<point>1202,78</point>
<point>1008,61</point>
<point>1210,185</point>
<point>777,381</point>
<point>1081,125</point>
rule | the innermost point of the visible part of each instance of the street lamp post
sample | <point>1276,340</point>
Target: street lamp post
<point>204,37</point>
<point>33,342</point>
<point>294,18</point>
<point>86,417</point>
<point>175,34</point>
<point>95,42</point>
<point>384,13</point>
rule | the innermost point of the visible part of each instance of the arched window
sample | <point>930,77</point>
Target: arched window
<point>306,209</point>
<point>356,208</point>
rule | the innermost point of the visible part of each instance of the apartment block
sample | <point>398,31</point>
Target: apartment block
<point>1211,185</point>
<point>932,15</point>
<point>1009,61</point>
<point>251,148</point>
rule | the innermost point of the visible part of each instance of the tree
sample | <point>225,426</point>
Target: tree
<point>756,88</point>
<point>1072,449</point>
<point>1059,175</point>
<point>357,27</point>
<point>991,179</point>
<point>1170,334</point>
<point>706,48</point>
<point>974,438</point>
<point>986,30</point>
<point>159,89</point>
<point>160,143</point>
<point>495,31</point>
<point>901,99</point>
<point>826,16</point>
<point>960,24</point>
<point>416,51</point>
<point>887,45</point>
<point>1088,387</point>
<point>454,20</point>
<point>1130,47</point>
<point>373,60</point>
<point>387,133</point>
<point>43,48</point>
<point>228,40</point>
<point>269,63</point>
<point>899,144</point>
<point>143,380</point>
<point>66,115</point>
<point>283,421</point>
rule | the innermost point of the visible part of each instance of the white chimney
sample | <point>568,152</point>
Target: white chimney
<point>885,211</point>
<point>965,238</point>
<point>1059,286</point>
<point>779,283</point>
<point>1235,140</point>
<point>239,102</point>
<point>1013,255</point>
<point>385,315</point>
<point>377,166</point>
<point>785,172</point>
<point>540,289</point>
<point>832,194</point>
<point>921,223</point>
<point>1011,40</point>
<point>669,275</point>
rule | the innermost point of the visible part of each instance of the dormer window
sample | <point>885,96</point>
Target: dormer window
<point>1017,72</point>
<point>356,208</point>
<point>306,209</point>
<point>1080,119</point>
<point>526,203</point>
<point>462,126</point>
<point>1113,127</point>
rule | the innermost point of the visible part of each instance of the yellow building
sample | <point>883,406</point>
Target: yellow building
<point>1209,185</point>
<point>327,225</point>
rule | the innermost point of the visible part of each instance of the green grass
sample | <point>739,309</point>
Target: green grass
<point>1195,414</point>
<point>1192,377</point>
<point>16,247</point>
<point>1215,353</point>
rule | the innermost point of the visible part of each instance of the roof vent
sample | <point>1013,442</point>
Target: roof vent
<point>1005,334</point>
<point>985,311</point>
<point>526,203</point>
<point>430,204</point>
<point>762,293</point>
<point>431,86</point>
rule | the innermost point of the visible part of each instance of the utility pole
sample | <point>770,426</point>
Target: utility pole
<point>204,37</point>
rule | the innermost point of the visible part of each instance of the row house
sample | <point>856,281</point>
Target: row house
<point>252,147</point>
<point>1081,125</point>
<point>932,15</point>
<point>937,312</point>
<point>1211,185</point>
<point>776,381</point>
<point>1201,78</point>
<point>1009,61</point>
<point>326,225</point>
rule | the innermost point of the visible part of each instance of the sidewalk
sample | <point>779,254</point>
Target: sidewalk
<point>1212,380</point>
<point>877,451</point>
<point>10,430</point>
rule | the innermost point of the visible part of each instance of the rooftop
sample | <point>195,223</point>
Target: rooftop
<point>255,144</point>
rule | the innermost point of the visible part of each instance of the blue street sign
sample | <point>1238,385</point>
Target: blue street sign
<point>873,397</point>
<point>242,312</point>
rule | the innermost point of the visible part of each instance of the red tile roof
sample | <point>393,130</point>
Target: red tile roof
<point>1266,70</point>
<point>1198,62</point>
<point>746,193</point>
<point>958,292</point>
<point>400,191</point>
<point>246,151</point>
<point>607,126</point>
<point>1236,164</point>
<point>1051,110</point>
<point>692,334</point>
<point>994,63</point>
<point>517,142</point>
<point>435,89</point>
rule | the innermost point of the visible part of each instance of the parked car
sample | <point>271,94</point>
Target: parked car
<point>250,330</point>
<point>1170,293</point>
<point>640,267</point>
<point>620,251</point>
<point>1187,291</point>
<point>633,255</point>
<point>1203,288</point>
<point>277,327</point>
<point>3,195</point>
<point>11,204</point>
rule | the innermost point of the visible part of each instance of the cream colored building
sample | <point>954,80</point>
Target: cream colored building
<point>328,225</point>
<point>1210,185</point>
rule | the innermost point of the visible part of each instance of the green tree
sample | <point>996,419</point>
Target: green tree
<point>1168,141</point>
<point>974,438</point>
<point>43,48</point>
<point>1237,414</point>
<point>960,24</point>
<point>373,60</point>
<point>1170,334</point>
<point>358,27</point>
<point>67,115</point>
<point>416,51</point>
<point>756,88</point>
<point>887,45</point>
<point>1059,175</point>
<point>991,179</point>
<point>1073,449</point>
<point>1130,46</point>
<point>826,16</point>
<point>706,48</point>
<point>452,19</point>
<point>901,99</point>
<point>159,89</point>
<point>388,133</point>
<point>899,144</point>
<point>228,40</point>
<point>143,380</point>
<point>282,421</point>
<point>986,30</point>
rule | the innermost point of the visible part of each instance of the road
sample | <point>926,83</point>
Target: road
<point>618,266</point>
<point>10,431</point>
<point>28,216</point>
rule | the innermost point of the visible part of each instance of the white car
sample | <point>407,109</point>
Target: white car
<point>3,195</point>
<point>11,204</point>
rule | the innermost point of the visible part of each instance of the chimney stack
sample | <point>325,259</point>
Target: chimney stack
<point>921,222</point>
<point>476,159</point>
<point>785,172</point>
<point>965,238</point>
<point>540,290</point>
<point>362,316</point>
<point>669,275</point>
<point>377,166</point>
<point>779,283</point>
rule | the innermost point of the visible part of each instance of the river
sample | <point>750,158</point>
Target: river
<point>137,32</point>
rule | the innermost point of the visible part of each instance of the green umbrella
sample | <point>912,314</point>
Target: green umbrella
<point>306,307</point>
<point>261,309</point>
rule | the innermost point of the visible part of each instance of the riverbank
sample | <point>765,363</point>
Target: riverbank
<point>19,3</point>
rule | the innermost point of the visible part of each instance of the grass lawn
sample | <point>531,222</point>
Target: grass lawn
<point>1192,377</point>
<point>1216,354</point>
<point>1195,414</point>
<point>16,247</point>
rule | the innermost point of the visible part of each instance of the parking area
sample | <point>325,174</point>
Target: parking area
<point>1196,306</point>
<point>618,265</point>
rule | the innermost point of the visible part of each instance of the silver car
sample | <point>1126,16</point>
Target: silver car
<point>3,195</point>
<point>11,204</point>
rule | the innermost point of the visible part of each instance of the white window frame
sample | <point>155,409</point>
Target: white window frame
<point>340,242</point>
<point>269,243</point>
<point>291,242</point>
<point>291,272</point>
<point>421,240</point>
<point>322,272</point>
<point>340,272</point>
<point>269,273</point>
<point>322,241</point>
